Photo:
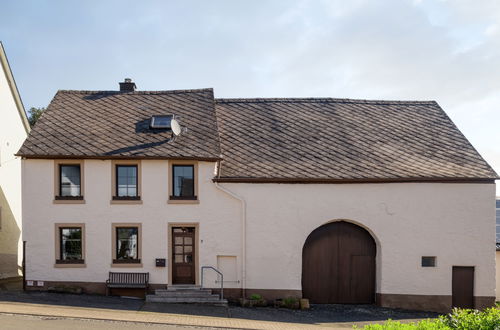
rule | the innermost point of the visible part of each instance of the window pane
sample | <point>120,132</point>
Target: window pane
<point>70,180</point>
<point>183,180</point>
<point>126,243</point>
<point>126,180</point>
<point>71,243</point>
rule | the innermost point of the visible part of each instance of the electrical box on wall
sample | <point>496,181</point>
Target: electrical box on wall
<point>160,262</point>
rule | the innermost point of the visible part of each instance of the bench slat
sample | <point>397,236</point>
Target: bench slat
<point>127,280</point>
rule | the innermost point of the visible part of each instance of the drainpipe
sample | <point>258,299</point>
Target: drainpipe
<point>243,236</point>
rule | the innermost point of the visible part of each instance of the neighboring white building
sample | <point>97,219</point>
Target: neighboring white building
<point>335,200</point>
<point>14,129</point>
<point>498,247</point>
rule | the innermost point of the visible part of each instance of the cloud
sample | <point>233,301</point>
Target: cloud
<point>393,49</point>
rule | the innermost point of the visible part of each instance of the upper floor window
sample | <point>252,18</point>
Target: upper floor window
<point>183,182</point>
<point>68,181</point>
<point>126,182</point>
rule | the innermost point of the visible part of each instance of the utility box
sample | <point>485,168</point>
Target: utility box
<point>160,262</point>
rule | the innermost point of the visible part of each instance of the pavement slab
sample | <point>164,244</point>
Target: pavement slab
<point>135,310</point>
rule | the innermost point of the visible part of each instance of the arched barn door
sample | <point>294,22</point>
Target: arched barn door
<point>338,265</point>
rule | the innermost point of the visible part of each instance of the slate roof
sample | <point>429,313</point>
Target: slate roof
<point>293,139</point>
<point>113,124</point>
<point>329,139</point>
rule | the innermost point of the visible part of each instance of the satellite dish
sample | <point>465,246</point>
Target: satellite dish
<point>176,127</point>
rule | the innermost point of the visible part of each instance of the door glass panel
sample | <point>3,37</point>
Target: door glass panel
<point>178,249</point>
<point>188,249</point>
<point>188,241</point>
<point>188,258</point>
<point>178,258</point>
<point>177,230</point>
<point>178,240</point>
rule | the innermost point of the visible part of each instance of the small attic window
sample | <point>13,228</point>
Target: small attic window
<point>160,121</point>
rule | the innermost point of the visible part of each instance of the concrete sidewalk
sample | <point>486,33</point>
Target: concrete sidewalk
<point>155,318</point>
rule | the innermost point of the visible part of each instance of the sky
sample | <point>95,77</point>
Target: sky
<point>448,51</point>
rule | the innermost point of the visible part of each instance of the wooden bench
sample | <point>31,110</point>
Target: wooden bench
<point>127,281</point>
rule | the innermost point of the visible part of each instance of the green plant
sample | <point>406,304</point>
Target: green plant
<point>472,319</point>
<point>460,319</point>
<point>395,325</point>
<point>291,302</point>
<point>256,296</point>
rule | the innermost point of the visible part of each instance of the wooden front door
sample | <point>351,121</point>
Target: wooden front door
<point>462,285</point>
<point>338,265</point>
<point>183,255</point>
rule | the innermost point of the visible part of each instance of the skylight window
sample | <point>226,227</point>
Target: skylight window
<point>160,122</point>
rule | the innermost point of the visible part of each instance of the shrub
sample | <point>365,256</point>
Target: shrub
<point>460,319</point>
<point>472,319</point>
<point>291,302</point>
<point>395,325</point>
<point>256,296</point>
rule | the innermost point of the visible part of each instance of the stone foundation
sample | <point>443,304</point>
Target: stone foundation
<point>430,303</point>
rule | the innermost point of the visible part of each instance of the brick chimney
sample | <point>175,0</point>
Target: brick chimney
<point>127,85</point>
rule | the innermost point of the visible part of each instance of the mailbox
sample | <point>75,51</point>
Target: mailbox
<point>160,262</point>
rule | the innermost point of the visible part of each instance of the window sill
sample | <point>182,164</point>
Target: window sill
<point>62,200</point>
<point>183,200</point>
<point>68,198</point>
<point>125,201</point>
<point>126,265</point>
<point>69,265</point>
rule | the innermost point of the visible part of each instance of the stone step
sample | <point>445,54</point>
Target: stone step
<point>183,290</point>
<point>186,294</point>
<point>184,287</point>
<point>183,300</point>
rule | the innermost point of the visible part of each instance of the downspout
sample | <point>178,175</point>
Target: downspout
<point>243,235</point>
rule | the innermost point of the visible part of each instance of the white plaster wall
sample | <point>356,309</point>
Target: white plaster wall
<point>454,222</point>
<point>12,135</point>
<point>217,215</point>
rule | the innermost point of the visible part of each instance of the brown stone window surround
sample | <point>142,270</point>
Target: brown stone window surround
<point>131,192</point>
<point>70,188</point>
<point>183,167</point>
<point>69,241</point>
<point>122,257</point>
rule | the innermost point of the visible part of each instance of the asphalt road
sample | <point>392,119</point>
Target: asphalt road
<point>22,322</point>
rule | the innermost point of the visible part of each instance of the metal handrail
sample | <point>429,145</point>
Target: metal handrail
<point>221,280</point>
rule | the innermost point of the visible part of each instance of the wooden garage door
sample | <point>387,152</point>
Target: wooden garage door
<point>338,265</point>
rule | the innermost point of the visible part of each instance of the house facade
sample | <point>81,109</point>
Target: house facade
<point>498,247</point>
<point>14,129</point>
<point>338,201</point>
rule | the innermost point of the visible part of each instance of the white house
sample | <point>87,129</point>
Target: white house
<point>335,200</point>
<point>498,247</point>
<point>14,129</point>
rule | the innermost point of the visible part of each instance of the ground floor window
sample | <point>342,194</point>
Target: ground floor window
<point>70,244</point>
<point>126,242</point>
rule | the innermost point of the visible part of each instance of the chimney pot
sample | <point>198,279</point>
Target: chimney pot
<point>127,85</point>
